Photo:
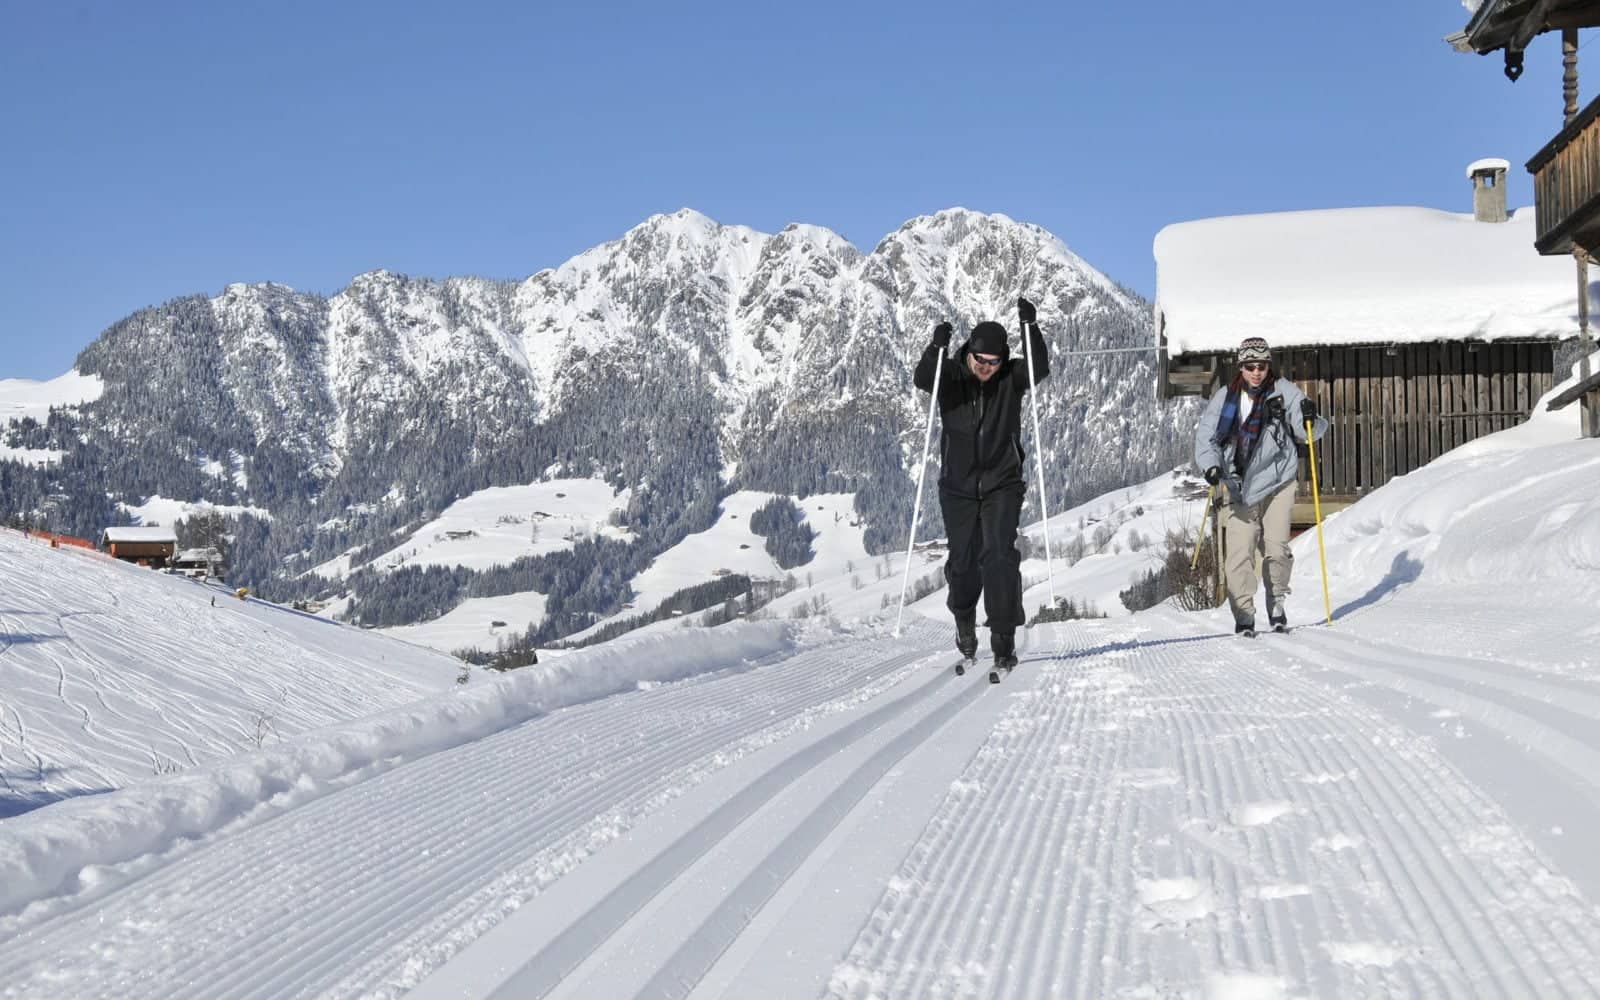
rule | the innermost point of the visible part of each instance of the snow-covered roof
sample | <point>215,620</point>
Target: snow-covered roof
<point>141,535</point>
<point>1358,275</point>
<point>198,555</point>
<point>1488,163</point>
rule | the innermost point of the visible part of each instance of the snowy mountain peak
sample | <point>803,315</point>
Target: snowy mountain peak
<point>674,354</point>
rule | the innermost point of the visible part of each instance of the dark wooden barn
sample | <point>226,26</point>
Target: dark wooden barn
<point>153,546</point>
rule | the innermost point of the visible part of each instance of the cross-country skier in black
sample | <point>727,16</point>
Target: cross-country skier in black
<point>981,484</point>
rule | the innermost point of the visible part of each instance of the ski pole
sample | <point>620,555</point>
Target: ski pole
<point>1316,503</point>
<point>1038,449</point>
<point>916,508</point>
<point>1205,515</point>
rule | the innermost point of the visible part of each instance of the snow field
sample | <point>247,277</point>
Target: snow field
<point>429,855</point>
<point>110,673</point>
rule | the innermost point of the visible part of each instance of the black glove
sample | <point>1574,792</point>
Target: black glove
<point>1213,475</point>
<point>1308,410</point>
<point>1025,312</point>
<point>941,335</point>
<point>1275,408</point>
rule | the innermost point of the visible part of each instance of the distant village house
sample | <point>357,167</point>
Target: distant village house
<point>153,547</point>
<point>200,564</point>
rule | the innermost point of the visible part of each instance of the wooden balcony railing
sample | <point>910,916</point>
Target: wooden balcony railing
<point>1566,186</point>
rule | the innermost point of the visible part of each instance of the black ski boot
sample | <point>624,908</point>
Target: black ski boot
<point>1004,647</point>
<point>1280,622</point>
<point>1245,630</point>
<point>967,635</point>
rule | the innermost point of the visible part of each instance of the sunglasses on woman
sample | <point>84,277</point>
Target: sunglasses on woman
<point>1254,366</point>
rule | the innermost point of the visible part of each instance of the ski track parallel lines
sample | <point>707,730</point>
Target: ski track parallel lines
<point>1396,805</point>
<point>1466,818</point>
<point>547,969</point>
<point>1045,925</point>
<point>374,853</point>
<point>598,795</point>
<point>689,964</point>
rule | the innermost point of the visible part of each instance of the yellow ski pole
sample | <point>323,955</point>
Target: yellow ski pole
<point>1205,515</point>
<point>1316,503</point>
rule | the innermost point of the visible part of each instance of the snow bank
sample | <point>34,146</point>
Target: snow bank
<point>1519,505</point>
<point>47,852</point>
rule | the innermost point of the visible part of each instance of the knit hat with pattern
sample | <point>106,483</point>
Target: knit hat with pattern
<point>1254,349</point>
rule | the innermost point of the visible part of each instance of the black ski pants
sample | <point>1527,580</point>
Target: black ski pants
<point>984,556</point>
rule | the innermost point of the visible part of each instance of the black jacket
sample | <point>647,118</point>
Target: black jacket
<point>980,447</point>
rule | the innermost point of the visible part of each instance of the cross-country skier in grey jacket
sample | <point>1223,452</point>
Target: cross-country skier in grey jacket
<point>1246,444</point>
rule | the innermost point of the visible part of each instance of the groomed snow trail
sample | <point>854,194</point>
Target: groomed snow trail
<point>395,872</point>
<point>1146,808</point>
<point>1191,815</point>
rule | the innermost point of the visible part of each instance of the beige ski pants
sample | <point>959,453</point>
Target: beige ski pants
<point>1264,527</point>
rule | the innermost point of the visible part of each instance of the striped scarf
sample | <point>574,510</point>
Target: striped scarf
<point>1246,433</point>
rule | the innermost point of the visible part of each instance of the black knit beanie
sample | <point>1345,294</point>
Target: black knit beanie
<point>989,337</point>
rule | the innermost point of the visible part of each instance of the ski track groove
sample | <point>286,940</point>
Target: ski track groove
<point>1022,860</point>
<point>1424,878</point>
<point>442,925</point>
<point>1455,921</point>
<point>1533,938</point>
<point>1560,698</point>
<point>559,760</point>
<point>572,815</point>
<point>955,845</point>
<point>1089,909</point>
<point>1037,923</point>
<point>986,868</point>
<point>1413,911</point>
<point>315,945</point>
<point>600,801</point>
<point>1452,880</point>
<point>689,964</point>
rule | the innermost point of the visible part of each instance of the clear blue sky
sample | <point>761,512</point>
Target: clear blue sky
<point>152,150</point>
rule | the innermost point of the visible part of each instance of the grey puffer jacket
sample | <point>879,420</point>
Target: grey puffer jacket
<point>1275,462</point>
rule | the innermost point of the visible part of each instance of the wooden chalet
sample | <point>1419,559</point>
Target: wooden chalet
<point>1415,330</point>
<point>1566,172</point>
<point>153,547</point>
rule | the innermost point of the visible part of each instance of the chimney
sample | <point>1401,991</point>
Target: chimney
<point>1489,189</point>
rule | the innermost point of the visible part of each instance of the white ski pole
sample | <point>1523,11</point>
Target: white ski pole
<point>1038,450</point>
<point>916,508</point>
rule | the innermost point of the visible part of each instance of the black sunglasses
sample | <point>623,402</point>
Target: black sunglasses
<point>1254,366</point>
<point>985,361</point>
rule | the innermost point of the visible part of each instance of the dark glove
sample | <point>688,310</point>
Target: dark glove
<point>1275,408</point>
<point>1025,312</point>
<point>1308,409</point>
<point>1213,475</point>
<point>941,335</point>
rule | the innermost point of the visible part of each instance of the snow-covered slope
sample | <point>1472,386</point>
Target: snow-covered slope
<point>110,674</point>
<point>1402,804</point>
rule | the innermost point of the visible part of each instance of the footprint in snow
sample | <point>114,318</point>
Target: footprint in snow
<point>1337,842</point>
<point>1168,901</point>
<point>1248,986</point>
<point>1364,953</point>
<point>1281,890</point>
<point>1141,778</point>
<point>1259,813</point>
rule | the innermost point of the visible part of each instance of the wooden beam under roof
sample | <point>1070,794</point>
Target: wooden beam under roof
<point>1512,24</point>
